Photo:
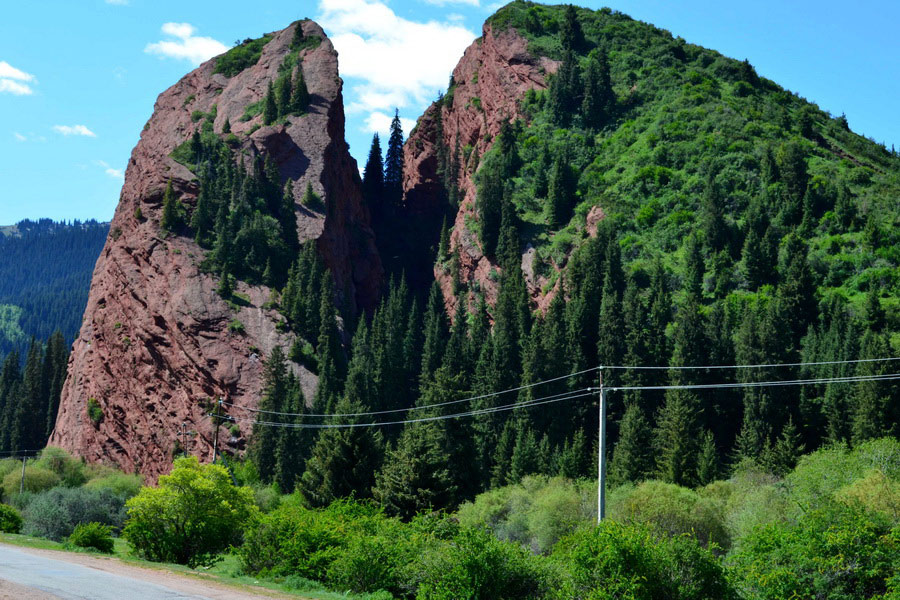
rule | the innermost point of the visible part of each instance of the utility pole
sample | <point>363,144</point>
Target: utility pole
<point>601,455</point>
<point>184,434</point>
<point>22,483</point>
<point>216,435</point>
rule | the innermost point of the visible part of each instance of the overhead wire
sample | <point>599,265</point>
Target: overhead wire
<point>571,395</point>
<point>546,381</point>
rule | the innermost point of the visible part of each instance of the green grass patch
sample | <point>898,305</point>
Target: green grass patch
<point>241,56</point>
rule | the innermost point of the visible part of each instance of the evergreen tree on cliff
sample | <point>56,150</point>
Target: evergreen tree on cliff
<point>393,164</point>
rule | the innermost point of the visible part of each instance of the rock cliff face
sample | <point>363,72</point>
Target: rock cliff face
<point>155,345</point>
<point>491,78</point>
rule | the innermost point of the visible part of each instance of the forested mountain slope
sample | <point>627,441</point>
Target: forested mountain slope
<point>45,273</point>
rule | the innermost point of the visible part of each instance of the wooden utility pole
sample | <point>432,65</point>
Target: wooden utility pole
<point>216,435</point>
<point>22,483</point>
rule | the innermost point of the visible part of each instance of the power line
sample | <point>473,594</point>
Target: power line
<point>483,411</point>
<point>561,397</point>
<point>400,410</point>
<point>761,366</point>
<point>545,381</point>
<point>817,381</point>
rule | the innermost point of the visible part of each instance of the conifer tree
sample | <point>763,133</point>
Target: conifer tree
<point>566,90</point>
<point>570,34</point>
<point>560,193</point>
<point>783,456</point>
<point>170,220</point>
<point>328,348</point>
<point>632,455</point>
<point>712,220</point>
<point>599,98</point>
<point>574,459</point>
<point>707,460</point>
<point>435,328</point>
<point>293,443</point>
<point>694,268</point>
<point>288,218</point>
<point>299,102</point>
<point>283,95</point>
<point>490,207</point>
<point>393,164</point>
<point>342,461</point>
<point>875,406</point>
<point>270,107</point>
<point>444,243</point>
<point>675,439</point>
<point>526,454</point>
<point>265,438</point>
<point>373,178</point>
<point>29,420</point>
<point>56,357</point>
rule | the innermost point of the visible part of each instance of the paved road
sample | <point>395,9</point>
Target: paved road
<point>49,578</point>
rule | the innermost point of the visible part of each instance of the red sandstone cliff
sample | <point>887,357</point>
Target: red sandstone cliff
<point>155,345</point>
<point>490,80</point>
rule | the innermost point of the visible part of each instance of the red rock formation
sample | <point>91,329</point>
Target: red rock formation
<point>490,80</point>
<point>155,344</point>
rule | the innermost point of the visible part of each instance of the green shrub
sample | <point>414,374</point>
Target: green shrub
<point>294,540</point>
<point>831,553</point>
<point>236,326</point>
<point>241,56</point>
<point>535,512</point>
<point>94,410</point>
<point>69,469</point>
<point>92,535</point>
<point>37,480</point>
<point>194,514</point>
<point>673,510</point>
<point>477,565</point>
<point>55,513</point>
<point>123,485</point>
<point>616,560</point>
<point>10,519</point>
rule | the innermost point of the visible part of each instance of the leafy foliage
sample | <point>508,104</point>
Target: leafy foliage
<point>10,519</point>
<point>243,55</point>
<point>193,514</point>
<point>92,535</point>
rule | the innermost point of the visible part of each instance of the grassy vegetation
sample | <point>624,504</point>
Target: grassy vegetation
<point>244,55</point>
<point>683,111</point>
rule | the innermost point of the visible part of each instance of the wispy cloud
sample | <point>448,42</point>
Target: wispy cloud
<point>390,61</point>
<point>19,137</point>
<point>114,173</point>
<point>185,45</point>
<point>117,2</point>
<point>15,81</point>
<point>379,122</point>
<point>68,130</point>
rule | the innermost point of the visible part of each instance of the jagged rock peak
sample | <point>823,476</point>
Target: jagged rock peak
<point>157,343</point>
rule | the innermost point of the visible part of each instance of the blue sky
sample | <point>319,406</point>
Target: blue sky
<point>78,78</point>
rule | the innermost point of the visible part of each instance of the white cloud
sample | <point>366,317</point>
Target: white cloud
<point>446,2</point>
<point>15,81</point>
<point>74,130</point>
<point>14,87</point>
<point>114,173</point>
<point>117,2</point>
<point>19,137</point>
<point>185,45</point>
<point>398,62</point>
<point>380,123</point>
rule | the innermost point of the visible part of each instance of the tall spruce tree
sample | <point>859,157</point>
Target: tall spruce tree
<point>373,178</point>
<point>599,98</point>
<point>275,396</point>
<point>393,164</point>
<point>270,106</point>
<point>342,461</point>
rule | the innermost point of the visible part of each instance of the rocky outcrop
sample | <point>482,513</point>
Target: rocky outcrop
<point>158,345</point>
<point>488,83</point>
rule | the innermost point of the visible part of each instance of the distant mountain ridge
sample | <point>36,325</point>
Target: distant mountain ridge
<point>45,274</point>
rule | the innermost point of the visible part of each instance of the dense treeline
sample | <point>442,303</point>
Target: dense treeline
<point>44,279</point>
<point>29,396</point>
